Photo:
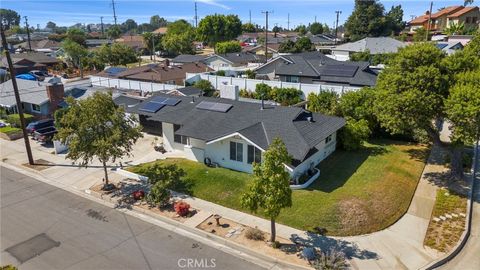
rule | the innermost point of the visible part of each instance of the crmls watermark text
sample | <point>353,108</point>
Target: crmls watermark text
<point>194,263</point>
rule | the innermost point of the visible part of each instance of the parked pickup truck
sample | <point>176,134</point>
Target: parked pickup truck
<point>44,135</point>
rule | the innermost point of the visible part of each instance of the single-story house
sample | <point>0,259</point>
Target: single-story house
<point>45,45</point>
<point>233,60</point>
<point>260,49</point>
<point>96,42</point>
<point>234,134</point>
<point>135,42</point>
<point>189,91</point>
<point>25,62</point>
<point>157,73</point>
<point>188,58</point>
<point>449,47</point>
<point>41,99</point>
<point>375,45</point>
<point>317,68</point>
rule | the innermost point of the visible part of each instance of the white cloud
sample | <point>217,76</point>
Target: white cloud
<point>214,3</point>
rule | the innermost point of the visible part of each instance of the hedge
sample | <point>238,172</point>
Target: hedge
<point>14,119</point>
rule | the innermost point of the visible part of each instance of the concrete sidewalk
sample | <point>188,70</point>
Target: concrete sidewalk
<point>398,247</point>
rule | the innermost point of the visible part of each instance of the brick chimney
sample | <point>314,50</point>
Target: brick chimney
<point>55,94</point>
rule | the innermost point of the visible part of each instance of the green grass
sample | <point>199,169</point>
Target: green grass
<point>447,203</point>
<point>357,192</point>
<point>9,130</point>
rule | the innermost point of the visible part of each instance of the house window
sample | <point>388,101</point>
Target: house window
<point>253,155</point>
<point>236,151</point>
<point>293,79</point>
<point>35,108</point>
<point>179,138</point>
<point>328,139</point>
<point>467,20</point>
<point>474,19</point>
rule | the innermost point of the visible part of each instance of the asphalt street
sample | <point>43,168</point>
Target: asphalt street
<point>43,227</point>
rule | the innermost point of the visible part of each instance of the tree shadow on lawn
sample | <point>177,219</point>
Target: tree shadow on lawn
<point>341,165</point>
<point>443,180</point>
<point>351,250</point>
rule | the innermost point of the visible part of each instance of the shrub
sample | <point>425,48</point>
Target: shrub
<point>276,245</point>
<point>14,119</point>
<point>228,47</point>
<point>9,130</point>
<point>206,87</point>
<point>354,134</point>
<point>158,195</point>
<point>286,96</point>
<point>182,208</point>
<point>220,73</point>
<point>332,259</point>
<point>245,93</point>
<point>8,267</point>
<point>254,234</point>
<point>262,91</point>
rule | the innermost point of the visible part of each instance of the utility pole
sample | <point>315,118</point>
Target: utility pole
<point>336,25</point>
<point>429,21</point>
<point>250,16</point>
<point>17,96</point>
<point>196,17</point>
<point>315,18</point>
<point>288,22</point>
<point>114,13</point>
<point>28,33</point>
<point>266,33</point>
<point>153,47</point>
<point>101,25</point>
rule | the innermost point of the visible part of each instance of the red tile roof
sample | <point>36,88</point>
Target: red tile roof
<point>462,11</point>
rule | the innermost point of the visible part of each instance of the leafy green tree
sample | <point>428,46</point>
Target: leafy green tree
<point>75,53</point>
<point>303,44</point>
<point>367,19</point>
<point>411,90</point>
<point>117,54</point>
<point>9,18</point>
<point>354,133</point>
<point>463,110</point>
<point>76,35</point>
<point>219,27</point>
<point>249,28</point>
<point>316,28</point>
<point>97,127</point>
<point>179,38</point>
<point>455,29</point>
<point>51,25</point>
<point>220,73</point>
<point>287,46</point>
<point>228,47</point>
<point>325,102</point>
<point>420,34</point>
<point>250,74</point>
<point>468,2</point>
<point>152,41</point>
<point>358,105</point>
<point>263,91</point>
<point>301,29</point>
<point>206,87</point>
<point>130,24</point>
<point>157,21</point>
<point>270,190</point>
<point>394,21</point>
<point>114,32</point>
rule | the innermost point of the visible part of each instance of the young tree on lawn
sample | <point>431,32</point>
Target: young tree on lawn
<point>270,189</point>
<point>463,110</point>
<point>75,53</point>
<point>411,91</point>
<point>96,127</point>
<point>162,178</point>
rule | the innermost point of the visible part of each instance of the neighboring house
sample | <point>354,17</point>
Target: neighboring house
<point>238,61</point>
<point>439,19</point>
<point>94,43</point>
<point>234,134</point>
<point>469,16</point>
<point>160,31</point>
<point>375,45</point>
<point>188,91</point>
<point>157,73</point>
<point>260,49</point>
<point>133,41</point>
<point>45,45</point>
<point>188,58</point>
<point>25,62</point>
<point>41,99</point>
<point>317,68</point>
<point>449,47</point>
<point>464,39</point>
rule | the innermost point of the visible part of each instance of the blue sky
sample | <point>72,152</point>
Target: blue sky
<point>68,12</point>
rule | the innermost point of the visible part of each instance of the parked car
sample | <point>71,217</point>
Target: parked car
<point>40,75</point>
<point>44,135</point>
<point>33,126</point>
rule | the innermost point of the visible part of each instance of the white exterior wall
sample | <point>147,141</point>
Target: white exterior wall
<point>195,151</point>
<point>131,84</point>
<point>168,142</point>
<point>217,63</point>
<point>219,152</point>
<point>323,152</point>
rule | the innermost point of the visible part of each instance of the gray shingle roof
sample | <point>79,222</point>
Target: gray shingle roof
<point>189,58</point>
<point>376,45</point>
<point>260,126</point>
<point>33,92</point>
<point>241,57</point>
<point>314,64</point>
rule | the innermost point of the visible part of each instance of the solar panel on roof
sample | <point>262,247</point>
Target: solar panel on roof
<point>441,46</point>
<point>115,70</point>
<point>214,106</point>
<point>151,107</point>
<point>158,99</point>
<point>339,70</point>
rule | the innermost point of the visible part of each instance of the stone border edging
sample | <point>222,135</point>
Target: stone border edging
<point>308,183</point>
<point>468,225</point>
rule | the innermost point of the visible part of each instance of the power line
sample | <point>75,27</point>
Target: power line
<point>28,33</point>
<point>336,25</point>
<point>114,13</point>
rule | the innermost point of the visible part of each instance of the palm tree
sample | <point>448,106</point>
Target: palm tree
<point>148,41</point>
<point>455,29</point>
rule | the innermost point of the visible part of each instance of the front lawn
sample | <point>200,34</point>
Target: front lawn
<point>356,193</point>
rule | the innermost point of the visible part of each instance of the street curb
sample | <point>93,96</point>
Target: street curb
<point>468,224</point>
<point>214,241</point>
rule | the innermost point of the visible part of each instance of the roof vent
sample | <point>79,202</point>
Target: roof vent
<point>310,119</point>
<point>193,99</point>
